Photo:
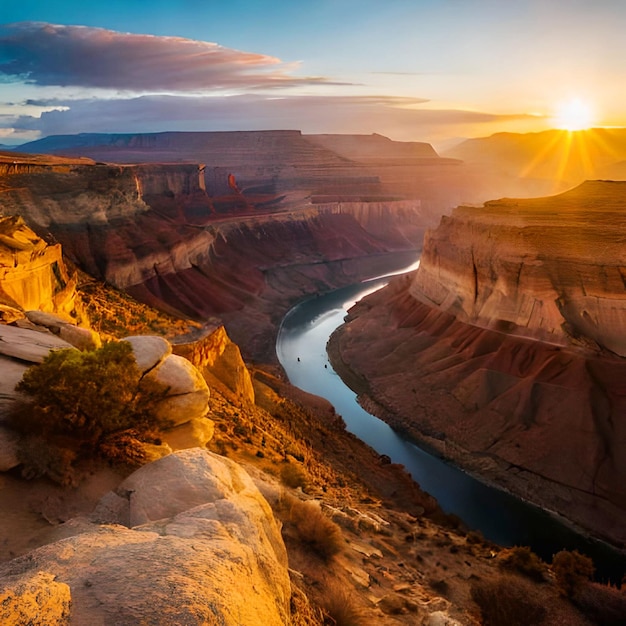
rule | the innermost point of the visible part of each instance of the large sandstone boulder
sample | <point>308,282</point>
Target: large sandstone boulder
<point>188,393</point>
<point>149,350</point>
<point>81,338</point>
<point>28,345</point>
<point>207,550</point>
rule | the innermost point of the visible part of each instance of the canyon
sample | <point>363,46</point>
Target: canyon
<point>504,352</point>
<point>243,227</point>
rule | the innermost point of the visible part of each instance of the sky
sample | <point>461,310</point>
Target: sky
<point>413,70</point>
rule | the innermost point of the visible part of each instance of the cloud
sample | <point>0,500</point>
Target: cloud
<point>65,56</point>
<point>398,117</point>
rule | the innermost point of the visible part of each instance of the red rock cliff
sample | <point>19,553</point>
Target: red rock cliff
<point>504,351</point>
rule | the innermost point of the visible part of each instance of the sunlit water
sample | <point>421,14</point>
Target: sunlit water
<point>301,349</point>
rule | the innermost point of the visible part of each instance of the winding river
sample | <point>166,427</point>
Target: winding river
<point>500,517</point>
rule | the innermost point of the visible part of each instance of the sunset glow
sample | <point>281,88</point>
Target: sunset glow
<point>409,69</point>
<point>574,114</point>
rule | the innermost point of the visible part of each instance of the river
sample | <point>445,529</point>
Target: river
<point>500,517</point>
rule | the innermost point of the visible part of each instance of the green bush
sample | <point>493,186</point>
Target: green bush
<point>84,401</point>
<point>571,570</point>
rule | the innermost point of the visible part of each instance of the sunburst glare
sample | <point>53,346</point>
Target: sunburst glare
<point>574,114</point>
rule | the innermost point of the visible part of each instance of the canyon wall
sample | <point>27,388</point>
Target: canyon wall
<point>505,351</point>
<point>243,234</point>
<point>33,274</point>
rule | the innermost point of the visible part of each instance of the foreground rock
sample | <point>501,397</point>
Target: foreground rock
<point>187,540</point>
<point>505,350</point>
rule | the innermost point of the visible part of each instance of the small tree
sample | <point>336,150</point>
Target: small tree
<point>85,400</point>
<point>571,569</point>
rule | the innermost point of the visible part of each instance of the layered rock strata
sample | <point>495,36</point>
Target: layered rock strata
<point>33,274</point>
<point>505,351</point>
<point>157,232</point>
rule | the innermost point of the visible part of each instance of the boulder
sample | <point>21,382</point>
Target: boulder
<point>27,345</point>
<point>149,350</point>
<point>208,551</point>
<point>35,598</point>
<point>195,433</point>
<point>81,338</point>
<point>188,393</point>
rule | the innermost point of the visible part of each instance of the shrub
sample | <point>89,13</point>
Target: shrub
<point>507,600</point>
<point>602,604</point>
<point>571,569</point>
<point>523,560</point>
<point>83,401</point>
<point>316,530</point>
<point>293,476</point>
<point>340,608</point>
<point>40,458</point>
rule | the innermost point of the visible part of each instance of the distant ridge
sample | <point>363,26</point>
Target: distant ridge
<point>570,157</point>
<point>374,145</point>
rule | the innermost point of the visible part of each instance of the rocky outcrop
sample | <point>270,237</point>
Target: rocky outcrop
<point>213,353</point>
<point>550,268</point>
<point>186,404</point>
<point>33,274</point>
<point>504,352</point>
<point>206,532</point>
<point>81,338</point>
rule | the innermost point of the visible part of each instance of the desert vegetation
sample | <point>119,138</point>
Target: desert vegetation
<point>84,404</point>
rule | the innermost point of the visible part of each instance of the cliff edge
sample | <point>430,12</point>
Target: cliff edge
<point>505,350</point>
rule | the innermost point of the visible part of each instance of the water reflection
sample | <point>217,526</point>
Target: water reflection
<point>301,349</point>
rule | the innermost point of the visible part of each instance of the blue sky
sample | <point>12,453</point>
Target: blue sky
<point>428,70</point>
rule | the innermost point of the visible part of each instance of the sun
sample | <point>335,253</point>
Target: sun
<point>574,114</point>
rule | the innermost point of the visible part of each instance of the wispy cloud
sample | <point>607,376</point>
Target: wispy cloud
<point>394,116</point>
<point>65,56</point>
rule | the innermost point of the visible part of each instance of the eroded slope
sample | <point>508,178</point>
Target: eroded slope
<point>504,350</point>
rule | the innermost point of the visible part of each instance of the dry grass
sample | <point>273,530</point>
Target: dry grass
<point>315,530</point>
<point>340,608</point>
<point>523,560</point>
<point>507,601</point>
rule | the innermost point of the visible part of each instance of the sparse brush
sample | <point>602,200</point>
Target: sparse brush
<point>316,530</point>
<point>509,601</point>
<point>523,560</point>
<point>293,476</point>
<point>39,458</point>
<point>602,604</point>
<point>571,569</point>
<point>340,608</point>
